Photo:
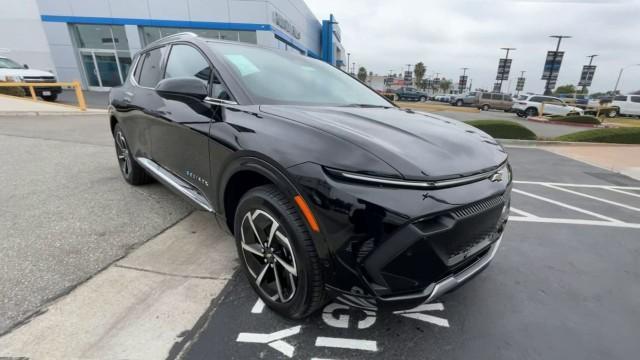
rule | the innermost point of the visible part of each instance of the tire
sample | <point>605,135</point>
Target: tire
<point>291,253</point>
<point>520,114</point>
<point>397,97</point>
<point>612,113</point>
<point>531,112</point>
<point>131,171</point>
<point>51,98</point>
<point>459,103</point>
<point>423,98</point>
<point>485,107</point>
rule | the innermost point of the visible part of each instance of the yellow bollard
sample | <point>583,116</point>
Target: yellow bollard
<point>81,103</point>
<point>32,92</point>
<point>541,109</point>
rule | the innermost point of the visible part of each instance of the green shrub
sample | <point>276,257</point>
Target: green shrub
<point>626,135</point>
<point>502,129</point>
<point>13,91</point>
<point>580,119</point>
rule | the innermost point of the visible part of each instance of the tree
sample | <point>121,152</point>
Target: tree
<point>565,89</point>
<point>419,71</point>
<point>445,85</point>
<point>362,74</point>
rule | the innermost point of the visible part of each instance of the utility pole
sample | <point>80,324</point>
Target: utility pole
<point>615,89</point>
<point>354,68</point>
<point>547,90</point>
<point>506,58</point>
<point>584,87</point>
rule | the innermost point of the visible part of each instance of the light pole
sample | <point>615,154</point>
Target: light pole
<point>506,58</point>
<point>354,69</point>
<point>348,60</point>
<point>547,91</point>
<point>620,75</point>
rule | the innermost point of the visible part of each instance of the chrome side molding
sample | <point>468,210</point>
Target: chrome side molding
<point>175,183</point>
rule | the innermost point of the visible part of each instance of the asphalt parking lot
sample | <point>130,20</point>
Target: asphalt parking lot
<point>565,284</point>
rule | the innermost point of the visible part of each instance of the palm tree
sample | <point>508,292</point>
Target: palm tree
<point>445,85</point>
<point>362,74</point>
<point>419,71</point>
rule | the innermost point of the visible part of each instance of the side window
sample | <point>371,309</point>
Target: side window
<point>136,72</point>
<point>496,97</point>
<point>620,98</point>
<point>556,101</point>
<point>186,61</point>
<point>507,97</point>
<point>635,99</point>
<point>150,73</point>
<point>486,96</point>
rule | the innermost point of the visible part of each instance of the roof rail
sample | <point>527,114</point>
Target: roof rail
<point>187,33</point>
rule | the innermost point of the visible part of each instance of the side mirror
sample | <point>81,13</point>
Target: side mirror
<point>25,66</point>
<point>180,87</point>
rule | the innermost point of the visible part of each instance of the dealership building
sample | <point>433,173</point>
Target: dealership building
<point>94,40</point>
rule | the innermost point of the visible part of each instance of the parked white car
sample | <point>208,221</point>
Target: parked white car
<point>625,105</point>
<point>11,71</point>
<point>532,106</point>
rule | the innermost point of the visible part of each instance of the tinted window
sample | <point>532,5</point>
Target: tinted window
<point>186,61</point>
<point>472,94</point>
<point>620,98</point>
<point>554,101</point>
<point>537,99</point>
<point>277,77</point>
<point>635,99</point>
<point>218,90</point>
<point>496,97</point>
<point>486,96</point>
<point>507,97</point>
<point>150,73</point>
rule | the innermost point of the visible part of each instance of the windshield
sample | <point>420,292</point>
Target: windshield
<point>9,64</point>
<point>276,77</point>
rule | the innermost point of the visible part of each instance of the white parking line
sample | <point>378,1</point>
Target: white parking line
<point>566,206</point>
<point>356,344</point>
<point>577,185</point>
<point>258,307</point>
<point>622,192</point>
<point>523,213</point>
<point>592,197</point>
<point>574,221</point>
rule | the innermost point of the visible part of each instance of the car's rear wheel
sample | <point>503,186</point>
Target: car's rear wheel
<point>531,112</point>
<point>131,171</point>
<point>459,103</point>
<point>52,97</point>
<point>485,107</point>
<point>423,98</point>
<point>277,253</point>
<point>612,113</point>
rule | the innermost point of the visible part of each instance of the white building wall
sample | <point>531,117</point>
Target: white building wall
<point>22,37</point>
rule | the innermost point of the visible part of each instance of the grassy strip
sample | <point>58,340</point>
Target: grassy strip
<point>613,136</point>
<point>503,129</point>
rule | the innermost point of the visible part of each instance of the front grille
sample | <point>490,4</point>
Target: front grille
<point>41,79</point>
<point>478,207</point>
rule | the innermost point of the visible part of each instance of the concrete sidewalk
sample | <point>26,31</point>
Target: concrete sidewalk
<point>11,105</point>
<point>139,307</point>
<point>617,158</point>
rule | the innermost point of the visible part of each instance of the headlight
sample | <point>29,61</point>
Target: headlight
<point>13,78</point>
<point>503,174</point>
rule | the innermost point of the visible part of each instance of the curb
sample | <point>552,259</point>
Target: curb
<point>553,122</point>
<point>53,113</point>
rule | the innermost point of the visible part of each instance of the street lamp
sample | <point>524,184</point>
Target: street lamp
<point>506,59</point>
<point>547,90</point>
<point>348,60</point>
<point>620,75</point>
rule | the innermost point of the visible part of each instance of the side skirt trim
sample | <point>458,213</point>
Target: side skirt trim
<point>175,183</point>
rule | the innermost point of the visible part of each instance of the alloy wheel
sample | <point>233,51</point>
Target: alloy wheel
<point>268,255</point>
<point>123,153</point>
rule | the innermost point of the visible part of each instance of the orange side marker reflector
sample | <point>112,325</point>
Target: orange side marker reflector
<point>307,213</point>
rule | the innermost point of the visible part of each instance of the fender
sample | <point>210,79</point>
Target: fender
<point>246,160</point>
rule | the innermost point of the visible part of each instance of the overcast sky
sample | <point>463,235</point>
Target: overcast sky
<point>449,34</point>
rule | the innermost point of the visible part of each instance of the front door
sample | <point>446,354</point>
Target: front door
<point>102,69</point>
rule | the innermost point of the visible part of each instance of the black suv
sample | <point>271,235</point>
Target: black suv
<point>330,190</point>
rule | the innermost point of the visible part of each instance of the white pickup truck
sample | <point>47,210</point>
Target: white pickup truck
<point>12,71</point>
<point>628,105</point>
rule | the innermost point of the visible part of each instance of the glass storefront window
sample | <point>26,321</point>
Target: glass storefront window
<point>152,33</point>
<point>100,37</point>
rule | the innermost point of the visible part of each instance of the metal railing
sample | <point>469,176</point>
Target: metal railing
<point>74,84</point>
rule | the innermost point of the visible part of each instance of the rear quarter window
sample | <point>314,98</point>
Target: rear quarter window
<point>486,96</point>
<point>635,99</point>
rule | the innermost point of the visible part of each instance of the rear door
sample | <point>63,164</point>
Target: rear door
<point>555,106</point>
<point>634,105</point>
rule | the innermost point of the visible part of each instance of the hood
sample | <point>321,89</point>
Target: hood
<point>24,72</point>
<point>418,145</point>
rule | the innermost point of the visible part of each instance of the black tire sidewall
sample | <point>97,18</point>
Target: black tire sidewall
<point>117,129</point>
<point>259,198</point>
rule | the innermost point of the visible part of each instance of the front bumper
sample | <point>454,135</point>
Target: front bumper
<point>398,248</point>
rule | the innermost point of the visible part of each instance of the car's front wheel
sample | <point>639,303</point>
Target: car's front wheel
<point>423,98</point>
<point>277,253</point>
<point>459,103</point>
<point>51,98</point>
<point>131,171</point>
